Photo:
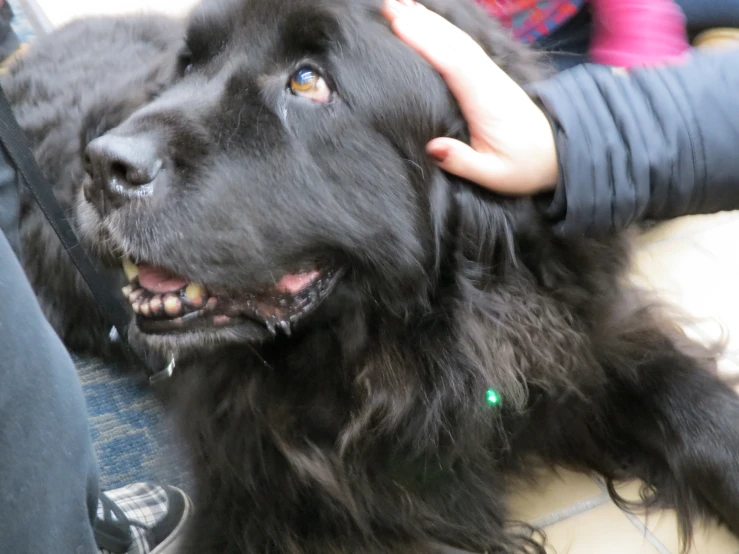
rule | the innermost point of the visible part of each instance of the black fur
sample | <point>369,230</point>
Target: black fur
<point>74,86</point>
<point>366,430</point>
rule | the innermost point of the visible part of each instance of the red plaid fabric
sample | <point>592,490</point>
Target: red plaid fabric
<point>532,19</point>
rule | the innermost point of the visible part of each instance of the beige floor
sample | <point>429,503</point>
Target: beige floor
<point>694,263</point>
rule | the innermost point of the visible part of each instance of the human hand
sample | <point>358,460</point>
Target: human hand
<point>512,149</point>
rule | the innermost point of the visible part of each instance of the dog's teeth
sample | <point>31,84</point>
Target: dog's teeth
<point>130,269</point>
<point>271,328</point>
<point>172,305</point>
<point>211,304</point>
<point>145,309</point>
<point>156,305</point>
<point>135,295</point>
<point>127,290</point>
<point>136,306</point>
<point>195,294</point>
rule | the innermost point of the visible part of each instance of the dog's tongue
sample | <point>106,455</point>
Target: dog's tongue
<point>294,283</point>
<point>159,280</point>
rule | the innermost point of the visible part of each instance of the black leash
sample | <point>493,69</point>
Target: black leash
<point>16,145</point>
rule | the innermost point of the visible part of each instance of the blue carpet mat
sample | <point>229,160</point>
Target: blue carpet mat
<point>133,436</point>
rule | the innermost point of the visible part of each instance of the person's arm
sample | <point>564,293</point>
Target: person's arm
<point>650,144</point>
<point>655,143</point>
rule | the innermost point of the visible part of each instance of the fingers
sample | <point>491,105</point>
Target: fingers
<point>515,151</point>
<point>496,172</point>
<point>488,170</point>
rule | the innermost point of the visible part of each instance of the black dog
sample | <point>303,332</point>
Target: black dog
<point>367,347</point>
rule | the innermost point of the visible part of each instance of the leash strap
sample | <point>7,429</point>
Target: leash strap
<point>16,145</point>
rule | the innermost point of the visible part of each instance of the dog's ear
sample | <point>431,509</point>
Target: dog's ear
<point>519,61</point>
<point>472,225</point>
<point>485,224</point>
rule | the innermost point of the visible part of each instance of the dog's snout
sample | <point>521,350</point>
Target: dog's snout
<point>120,167</point>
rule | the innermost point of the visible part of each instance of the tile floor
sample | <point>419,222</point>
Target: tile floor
<point>693,262</point>
<point>677,259</point>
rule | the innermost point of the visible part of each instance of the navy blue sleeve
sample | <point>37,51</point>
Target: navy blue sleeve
<point>653,143</point>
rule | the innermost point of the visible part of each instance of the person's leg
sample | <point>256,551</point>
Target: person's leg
<point>49,496</point>
<point>48,472</point>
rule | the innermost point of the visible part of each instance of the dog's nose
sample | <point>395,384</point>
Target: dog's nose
<point>120,167</point>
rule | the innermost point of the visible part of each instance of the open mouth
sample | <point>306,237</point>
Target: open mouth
<point>168,303</point>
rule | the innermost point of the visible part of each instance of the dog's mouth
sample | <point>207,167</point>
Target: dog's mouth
<point>165,302</point>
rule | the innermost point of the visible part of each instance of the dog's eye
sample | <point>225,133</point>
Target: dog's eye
<point>308,83</point>
<point>304,80</point>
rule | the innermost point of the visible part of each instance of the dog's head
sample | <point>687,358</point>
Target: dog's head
<point>283,172</point>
